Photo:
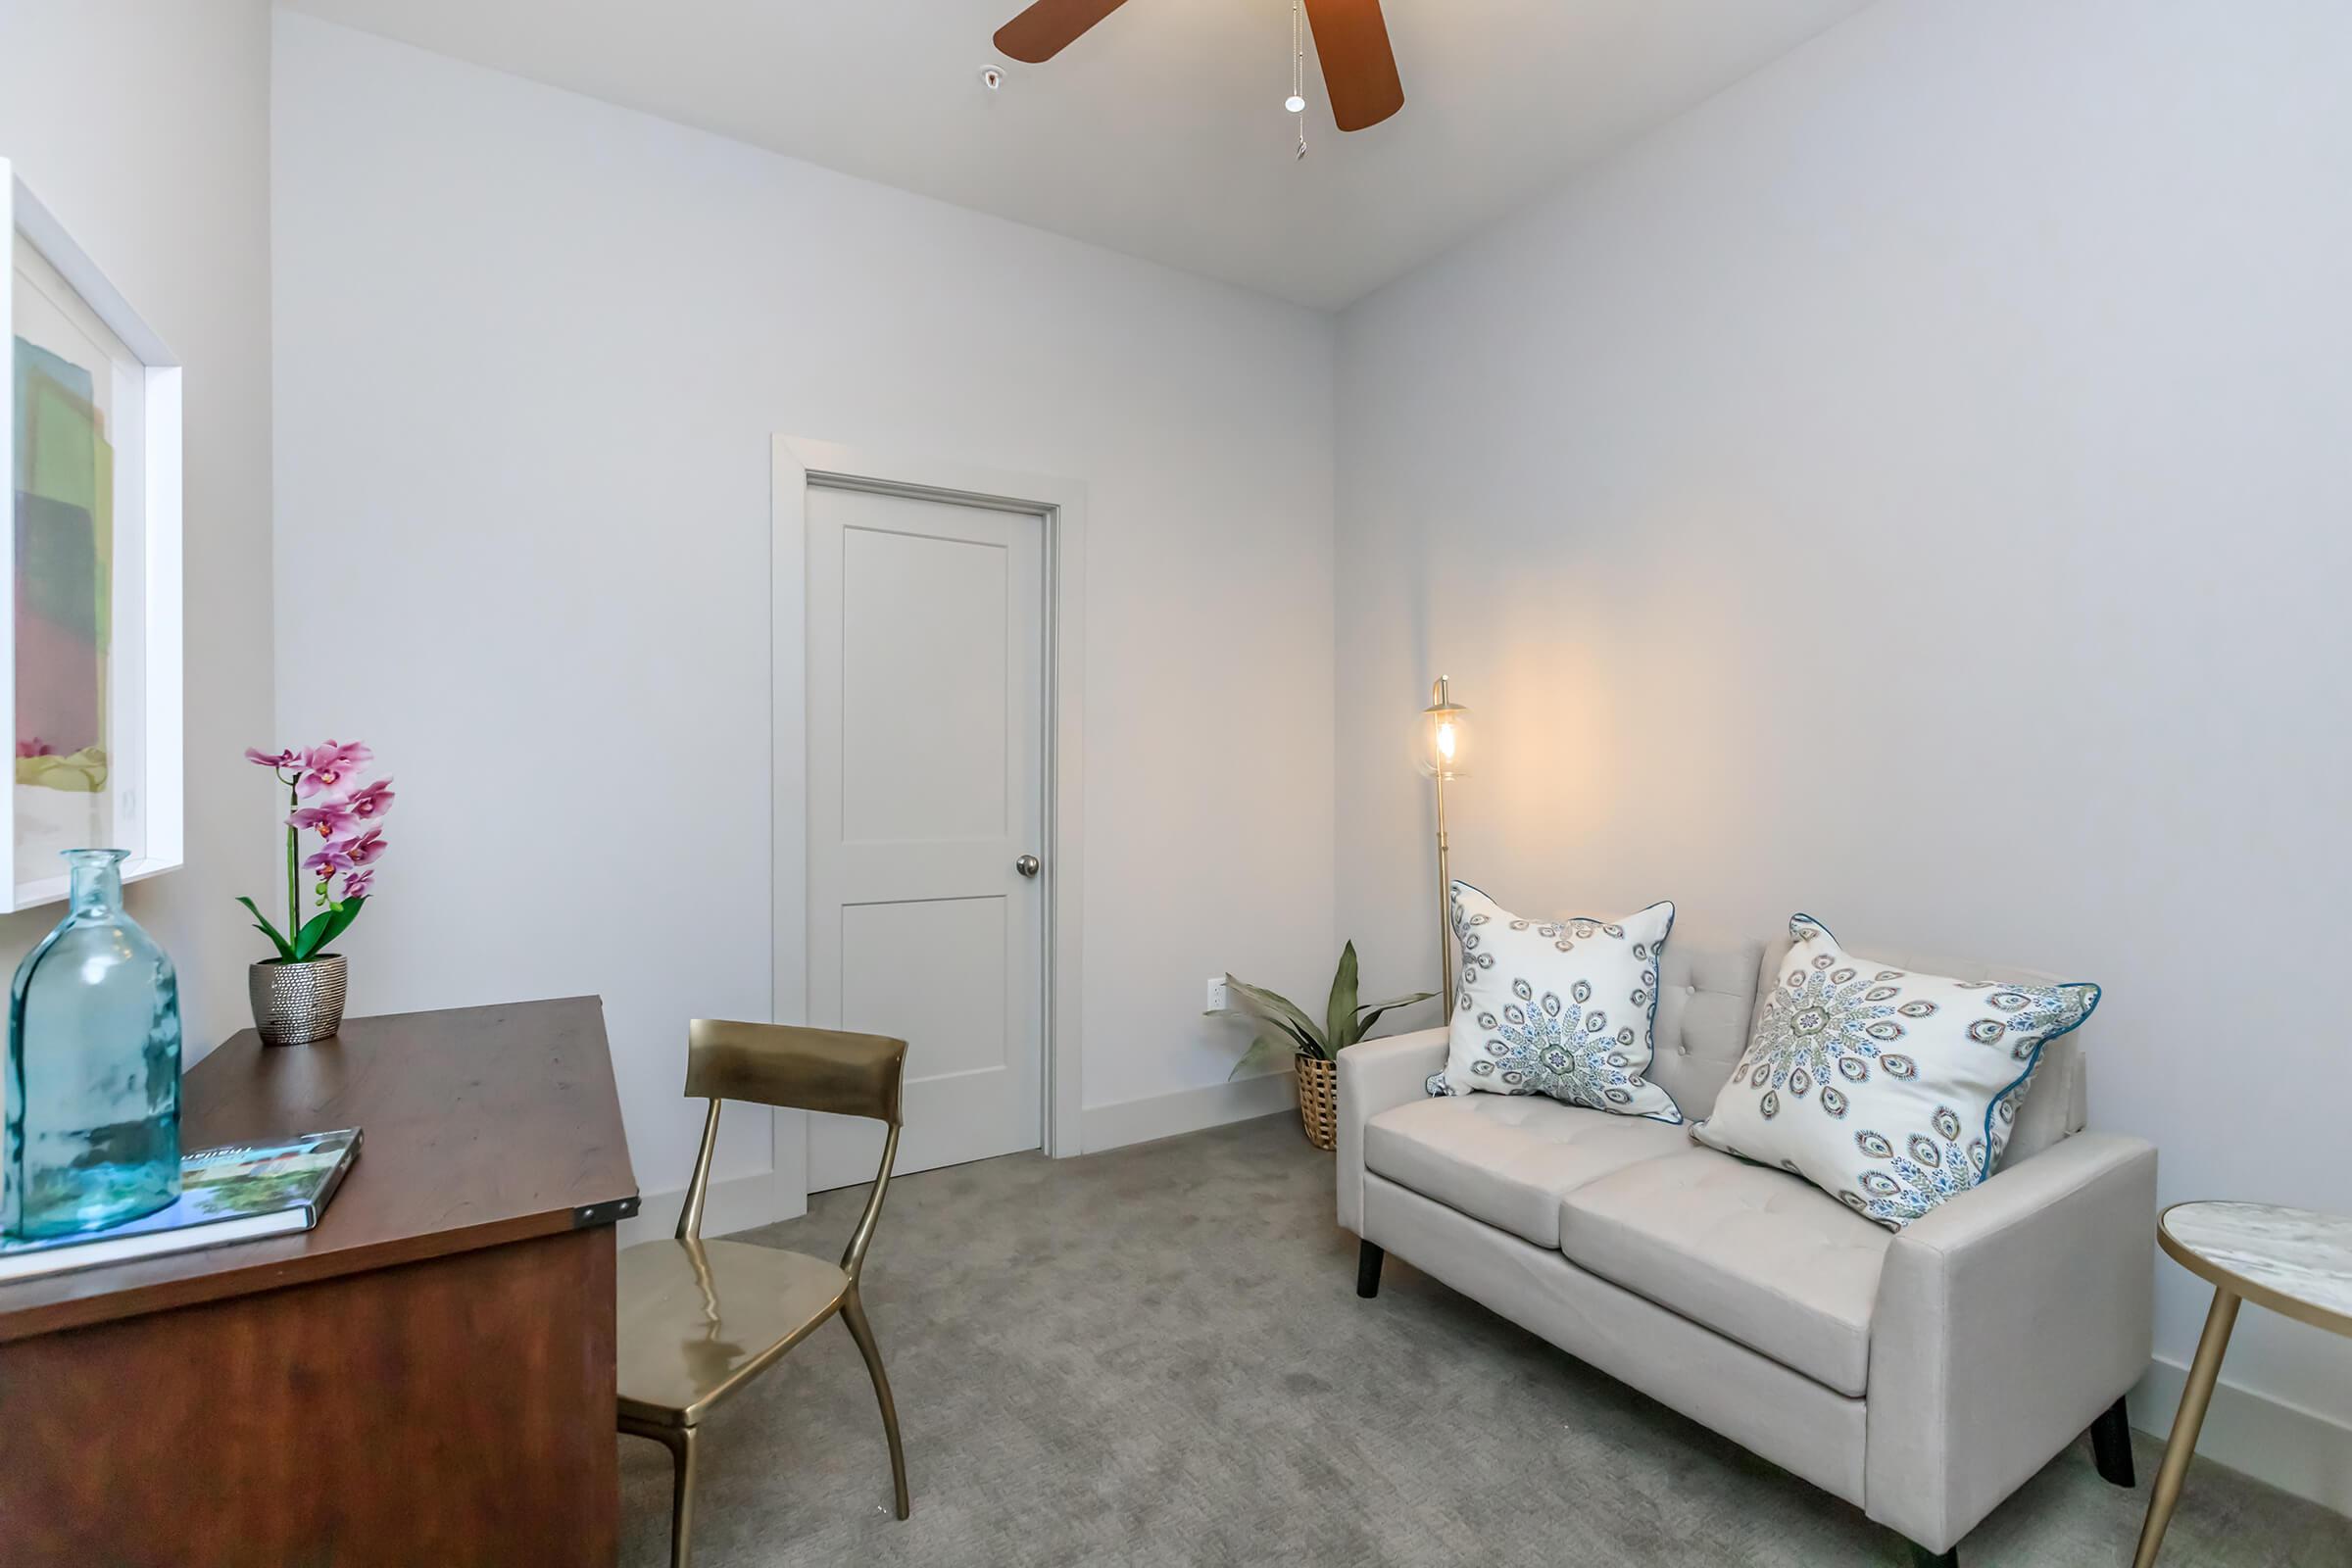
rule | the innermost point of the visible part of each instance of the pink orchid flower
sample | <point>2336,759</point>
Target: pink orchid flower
<point>327,768</point>
<point>328,799</point>
<point>331,860</point>
<point>371,799</point>
<point>328,819</point>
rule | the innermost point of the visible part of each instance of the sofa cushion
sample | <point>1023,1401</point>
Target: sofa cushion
<point>1508,1160</point>
<point>1706,1003</point>
<point>1755,1255</point>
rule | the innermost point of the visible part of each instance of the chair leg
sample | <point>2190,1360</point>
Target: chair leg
<point>2111,1445</point>
<point>680,1441</point>
<point>681,1499</point>
<point>852,1312</point>
<point>1368,1257</point>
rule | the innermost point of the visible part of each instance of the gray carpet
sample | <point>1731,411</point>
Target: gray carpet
<point>1156,1356</point>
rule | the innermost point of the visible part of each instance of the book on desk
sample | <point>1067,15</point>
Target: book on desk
<point>238,1193</point>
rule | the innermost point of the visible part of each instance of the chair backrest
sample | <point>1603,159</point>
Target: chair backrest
<point>797,1068</point>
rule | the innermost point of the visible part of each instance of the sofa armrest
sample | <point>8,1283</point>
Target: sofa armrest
<point>1376,1075</point>
<point>2007,1320</point>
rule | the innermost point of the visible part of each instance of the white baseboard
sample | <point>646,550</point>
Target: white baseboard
<point>1187,1110</point>
<point>746,1203</point>
<point>736,1203</point>
<point>2295,1450</point>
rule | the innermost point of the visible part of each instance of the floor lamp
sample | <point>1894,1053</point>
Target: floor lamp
<point>1445,748</point>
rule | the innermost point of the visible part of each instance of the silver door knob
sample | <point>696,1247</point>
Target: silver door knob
<point>1027,865</point>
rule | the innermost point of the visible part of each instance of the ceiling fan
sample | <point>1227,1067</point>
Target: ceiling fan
<point>1350,36</point>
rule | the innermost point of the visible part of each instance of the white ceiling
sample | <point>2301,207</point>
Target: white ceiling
<point>1161,131</point>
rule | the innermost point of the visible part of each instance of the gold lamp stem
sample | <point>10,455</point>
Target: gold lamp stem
<point>1444,738</point>
<point>1444,905</point>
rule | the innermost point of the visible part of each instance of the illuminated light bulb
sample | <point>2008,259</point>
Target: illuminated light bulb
<point>1295,104</point>
<point>1443,742</point>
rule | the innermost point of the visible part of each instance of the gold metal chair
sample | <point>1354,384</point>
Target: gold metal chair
<point>700,1319</point>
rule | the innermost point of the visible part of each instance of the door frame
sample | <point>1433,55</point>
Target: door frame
<point>800,463</point>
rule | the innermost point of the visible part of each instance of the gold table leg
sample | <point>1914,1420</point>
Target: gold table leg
<point>2203,1372</point>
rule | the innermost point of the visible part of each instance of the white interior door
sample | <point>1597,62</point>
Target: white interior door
<point>927,791</point>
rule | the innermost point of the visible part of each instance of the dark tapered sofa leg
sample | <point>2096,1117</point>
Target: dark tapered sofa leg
<point>1367,1269</point>
<point>1922,1557</point>
<point>2111,1445</point>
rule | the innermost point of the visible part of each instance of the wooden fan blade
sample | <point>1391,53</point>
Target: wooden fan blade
<point>1050,26</point>
<point>1358,66</point>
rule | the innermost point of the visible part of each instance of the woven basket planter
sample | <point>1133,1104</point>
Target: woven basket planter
<point>1320,1101</point>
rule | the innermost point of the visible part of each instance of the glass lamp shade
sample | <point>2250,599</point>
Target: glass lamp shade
<point>1444,736</point>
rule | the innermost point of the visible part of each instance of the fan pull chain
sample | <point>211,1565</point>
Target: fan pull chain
<point>1299,75</point>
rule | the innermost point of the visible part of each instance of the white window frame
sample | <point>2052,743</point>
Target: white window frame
<point>155,761</point>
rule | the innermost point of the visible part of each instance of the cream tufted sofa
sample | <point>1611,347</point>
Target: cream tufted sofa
<point>1921,1376</point>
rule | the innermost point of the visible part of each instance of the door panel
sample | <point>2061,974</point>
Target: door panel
<point>953,1021</point>
<point>913,694</point>
<point>926,707</point>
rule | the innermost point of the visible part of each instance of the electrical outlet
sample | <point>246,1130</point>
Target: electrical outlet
<point>1217,992</point>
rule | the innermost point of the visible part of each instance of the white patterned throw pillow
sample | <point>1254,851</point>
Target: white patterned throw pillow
<point>1558,1008</point>
<point>1894,1092</point>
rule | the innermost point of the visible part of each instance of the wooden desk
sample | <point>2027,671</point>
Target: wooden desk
<point>425,1378</point>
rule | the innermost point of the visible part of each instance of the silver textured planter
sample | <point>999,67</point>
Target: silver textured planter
<point>295,1004</point>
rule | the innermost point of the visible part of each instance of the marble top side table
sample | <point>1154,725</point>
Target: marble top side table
<point>2291,1260</point>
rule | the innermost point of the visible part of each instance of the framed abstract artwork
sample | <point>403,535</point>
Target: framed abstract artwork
<point>90,627</point>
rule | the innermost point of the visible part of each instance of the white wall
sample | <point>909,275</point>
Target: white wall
<point>148,137</point>
<point>531,350</point>
<point>1912,488</point>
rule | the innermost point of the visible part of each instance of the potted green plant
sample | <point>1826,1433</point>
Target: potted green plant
<point>1281,1026</point>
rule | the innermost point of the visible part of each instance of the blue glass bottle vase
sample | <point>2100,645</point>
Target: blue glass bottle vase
<point>93,1068</point>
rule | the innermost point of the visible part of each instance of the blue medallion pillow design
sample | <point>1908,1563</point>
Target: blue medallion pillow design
<point>1892,1091</point>
<point>1558,1008</point>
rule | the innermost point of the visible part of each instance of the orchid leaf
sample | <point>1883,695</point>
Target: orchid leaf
<point>254,910</point>
<point>261,924</point>
<point>1339,1013</point>
<point>345,912</point>
<point>324,926</point>
<point>306,940</point>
